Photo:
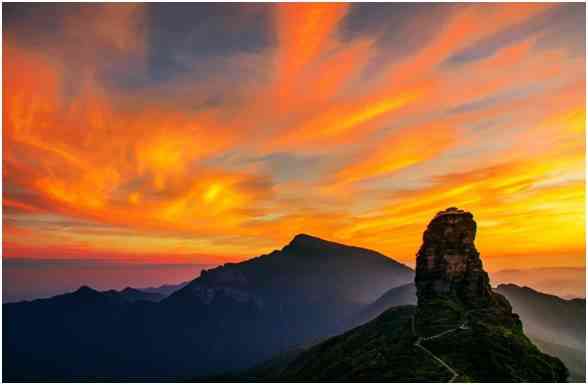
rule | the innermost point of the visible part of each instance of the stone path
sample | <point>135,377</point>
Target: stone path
<point>417,343</point>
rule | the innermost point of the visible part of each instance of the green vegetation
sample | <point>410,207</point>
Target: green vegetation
<point>382,349</point>
<point>492,352</point>
<point>482,349</point>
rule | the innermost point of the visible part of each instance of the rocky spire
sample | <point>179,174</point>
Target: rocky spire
<point>448,264</point>
<point>450,279</point>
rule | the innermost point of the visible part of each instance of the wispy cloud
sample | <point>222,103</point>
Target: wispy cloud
<point>206,132</point>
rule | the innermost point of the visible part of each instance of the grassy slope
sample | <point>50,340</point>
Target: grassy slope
<point>383,349</point>
<point>379,350</point>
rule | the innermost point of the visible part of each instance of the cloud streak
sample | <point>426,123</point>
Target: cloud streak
<point>298,118</point>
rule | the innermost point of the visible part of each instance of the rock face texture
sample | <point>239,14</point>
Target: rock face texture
<point>449,271</point>
<point>448,264</point>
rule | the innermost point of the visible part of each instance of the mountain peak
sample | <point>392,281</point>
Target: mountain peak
<point>305,237</point>
<point>305,240</point>
<point>448,264</point>
<point>305,244</point>
<point>450,275</point>
<point>85,290</point>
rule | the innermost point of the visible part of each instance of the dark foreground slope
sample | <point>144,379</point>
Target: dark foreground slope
<point>460,330</point>
<point>556,325</point>
<point>384,349</point>
<point>229,318</point>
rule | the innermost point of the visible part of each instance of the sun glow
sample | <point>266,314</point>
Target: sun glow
<point>322,120</point>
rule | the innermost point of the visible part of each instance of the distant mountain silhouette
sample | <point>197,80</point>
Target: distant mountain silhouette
<point>229,318</point>
<point>397,296</point>
<point>164,290</point>
<point>88,295</point>
<point>133,295</point>
<point>266,313</point>
<point>549,317</point>
<point>461,330</point>
<point>565,282</point>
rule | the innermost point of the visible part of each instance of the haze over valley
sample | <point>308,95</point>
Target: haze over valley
<point>294,192</point>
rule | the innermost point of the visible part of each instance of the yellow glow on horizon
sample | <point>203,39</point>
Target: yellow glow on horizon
<point>349,137</point>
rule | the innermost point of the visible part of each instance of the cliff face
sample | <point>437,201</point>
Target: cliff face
<point>450,277</point>
<point>448,264</point>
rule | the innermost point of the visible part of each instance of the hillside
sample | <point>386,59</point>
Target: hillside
<point>460,330</point>
<point>228,318</point>
<point>556,325</point>
<point>265,313</point>
<point>549,317</point>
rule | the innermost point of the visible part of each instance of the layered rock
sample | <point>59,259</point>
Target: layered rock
<point>450,277</point>
<point>448,264</point>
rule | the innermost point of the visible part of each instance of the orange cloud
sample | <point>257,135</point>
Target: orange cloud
<point>403,149</point>
<point>506,199</point>
<point>341,122</point>
<point>308,140</point>
<point>90,159</point>
<point>303,33</point>
<point>462,28</point>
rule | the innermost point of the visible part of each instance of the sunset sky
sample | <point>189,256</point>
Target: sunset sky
<point>212,133</point>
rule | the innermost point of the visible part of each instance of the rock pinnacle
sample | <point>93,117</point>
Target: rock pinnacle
<point>450,277</point>
<point>448,264</point>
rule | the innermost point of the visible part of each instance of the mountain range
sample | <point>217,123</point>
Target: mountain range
<point>228,318</point>
<point>267,309</point>
<point>564,282</point>
<point>460,329</point>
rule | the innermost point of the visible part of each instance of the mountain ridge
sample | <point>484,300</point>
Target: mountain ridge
<point>460,330</point>
<point>311,259</point>
<point>228,318</point>
<point>234,286</point>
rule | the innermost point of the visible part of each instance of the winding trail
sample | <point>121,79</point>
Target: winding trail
<point>420,339</point>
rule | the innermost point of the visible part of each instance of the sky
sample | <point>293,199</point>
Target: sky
<point>200,133</point>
